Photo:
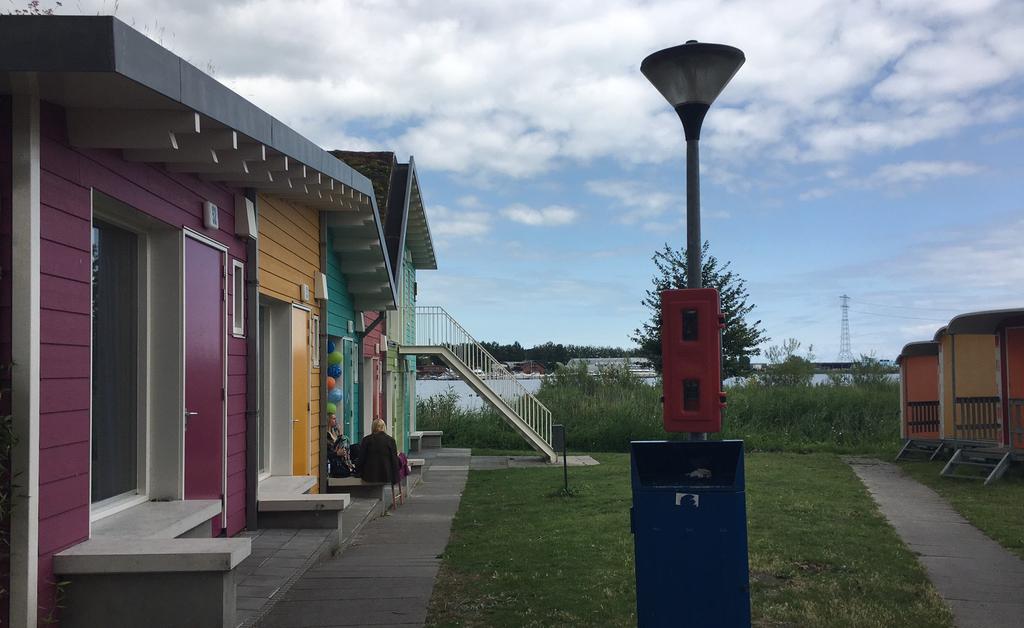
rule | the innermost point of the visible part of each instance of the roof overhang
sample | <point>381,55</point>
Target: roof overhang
<point>417,231</point>
<point>356,237</point>
<point>917,349</point>
<point>121,90</point>
<point>985,322</point>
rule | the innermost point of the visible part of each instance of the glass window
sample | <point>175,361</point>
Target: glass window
<point>314,340</point>
<point>238,298</point>
<point>115,350</point>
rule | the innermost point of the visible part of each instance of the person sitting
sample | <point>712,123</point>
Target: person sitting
<point>378,456</point>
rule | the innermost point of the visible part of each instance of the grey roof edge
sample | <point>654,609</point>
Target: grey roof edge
<point>404,229</point>
<point>415,184</point>
<point>988,320</point>
<point>383,243</point>
<point>103,43</point>
<point>919,348</point>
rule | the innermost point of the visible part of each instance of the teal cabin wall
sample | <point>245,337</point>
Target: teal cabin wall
<point>341,311</point>
<point>409,337</point>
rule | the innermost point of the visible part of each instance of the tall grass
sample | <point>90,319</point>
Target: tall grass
<point>604,412</point>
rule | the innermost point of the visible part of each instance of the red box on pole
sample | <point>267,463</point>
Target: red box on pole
<point>691,353</point>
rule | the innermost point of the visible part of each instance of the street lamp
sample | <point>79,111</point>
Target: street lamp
<point>690,77</point>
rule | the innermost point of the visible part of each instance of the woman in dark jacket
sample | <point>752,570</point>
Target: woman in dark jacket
<point>378,456</point>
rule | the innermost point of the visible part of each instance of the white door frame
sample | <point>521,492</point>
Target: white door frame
<point>223,250</point>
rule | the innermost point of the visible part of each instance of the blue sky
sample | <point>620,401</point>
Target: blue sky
<point>866,148</point>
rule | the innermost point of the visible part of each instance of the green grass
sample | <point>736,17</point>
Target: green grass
<point>997,509</point>
<point>605,413</point>
<point>820,554</point>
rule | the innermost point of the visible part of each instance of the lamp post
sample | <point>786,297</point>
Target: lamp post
<point>690,77</point>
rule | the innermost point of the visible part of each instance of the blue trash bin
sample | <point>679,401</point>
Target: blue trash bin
<point>689,525</point>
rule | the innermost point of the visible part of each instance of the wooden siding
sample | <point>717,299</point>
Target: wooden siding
<point>341,311</point>
<point>289,245</point>
<point>372,339</point>
<point>66,177</point>
<point>340,308</point>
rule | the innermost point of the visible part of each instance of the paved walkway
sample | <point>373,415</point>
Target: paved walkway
<point>488,463</point>
<point>385,577</point>
<point>978,578</point>
<point>280,556</point>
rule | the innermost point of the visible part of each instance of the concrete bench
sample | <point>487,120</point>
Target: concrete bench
<point>356,487</point>
<point>302,510</point>
<point>160,520</point>
<point>148,559</point>
<point>282,502</point>
<point>425,439</point>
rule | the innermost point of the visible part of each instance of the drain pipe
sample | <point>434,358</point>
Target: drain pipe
<point>253,398</point>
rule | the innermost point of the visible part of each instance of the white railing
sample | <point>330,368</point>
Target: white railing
<point>436,328</point>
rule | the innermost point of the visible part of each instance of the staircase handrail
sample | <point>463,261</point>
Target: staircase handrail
<point>519,399</point>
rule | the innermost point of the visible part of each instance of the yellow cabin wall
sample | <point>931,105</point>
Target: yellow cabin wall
<point>976,365</point>
<point>289,246</point>
<point>976,371</point>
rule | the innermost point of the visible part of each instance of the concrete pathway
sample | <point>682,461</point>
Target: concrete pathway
<point>488,463</point>
<point>981,581</point>
<point>280,556</point>
<point>385,577</point>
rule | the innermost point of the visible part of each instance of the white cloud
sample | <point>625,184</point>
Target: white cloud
<point>815,194</point>
<point>551,216</point>
<point>447,223</point>
<point>922,171</point>
<point>636,202</point>
<point>518,89</point>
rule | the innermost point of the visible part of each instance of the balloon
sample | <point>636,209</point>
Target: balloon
<point>335,395</point>
<point>330,346</point>
<point>334,357</point>
<point>331,408</point>
<point>334,370</point>
<point>331,383</point>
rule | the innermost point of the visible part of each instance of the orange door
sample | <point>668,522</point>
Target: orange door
<point>300,391</point>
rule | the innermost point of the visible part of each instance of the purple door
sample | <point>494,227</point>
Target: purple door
<point>204,373</point>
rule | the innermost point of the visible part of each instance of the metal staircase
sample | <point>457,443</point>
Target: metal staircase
<point>914,449</point>
<point>978,464</point>
<point>440,335</point>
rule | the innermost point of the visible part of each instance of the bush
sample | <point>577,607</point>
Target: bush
<point>605,411</point>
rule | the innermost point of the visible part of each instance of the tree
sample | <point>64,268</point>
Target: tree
<point>740,338</point>
<point>785,367</point>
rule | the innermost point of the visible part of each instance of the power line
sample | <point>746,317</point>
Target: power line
<point>907,307</point>
<point>885,315</point>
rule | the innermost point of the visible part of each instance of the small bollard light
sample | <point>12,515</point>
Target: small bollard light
<point>558,443</point>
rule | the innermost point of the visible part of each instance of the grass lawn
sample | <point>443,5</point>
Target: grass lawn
<point>820,554</point>
<point>997,510</point>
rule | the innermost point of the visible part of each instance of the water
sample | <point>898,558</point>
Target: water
<point>468,400</point>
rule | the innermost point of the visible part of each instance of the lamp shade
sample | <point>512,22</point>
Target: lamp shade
<point>693,73</point>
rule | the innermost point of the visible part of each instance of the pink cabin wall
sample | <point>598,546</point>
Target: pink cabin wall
<point>369,342</point>
<point>5,318</point>
<point>372,338</point>
<point>66,176</point>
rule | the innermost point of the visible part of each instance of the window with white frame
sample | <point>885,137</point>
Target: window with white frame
<point>314,340</point>
<point>238,298</point>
